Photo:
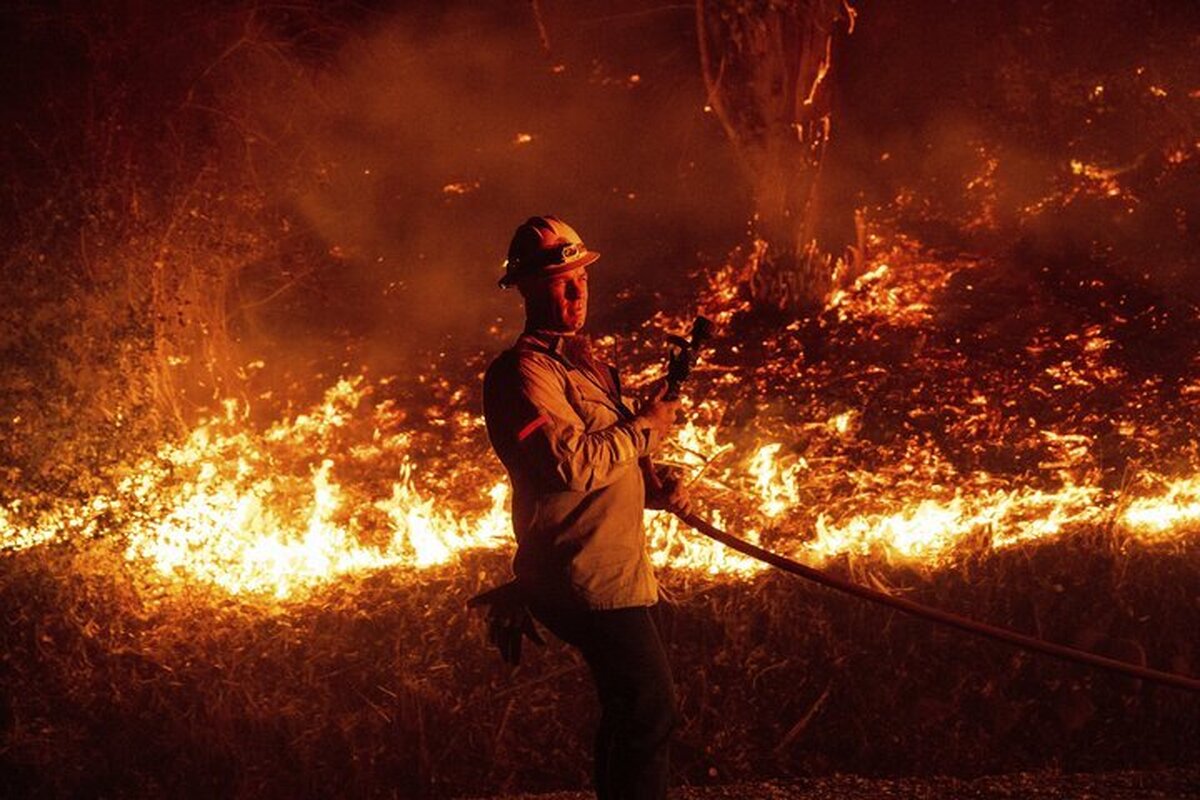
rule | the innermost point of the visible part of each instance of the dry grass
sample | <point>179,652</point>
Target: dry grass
<point>382,685</point>
<point>125,265</point>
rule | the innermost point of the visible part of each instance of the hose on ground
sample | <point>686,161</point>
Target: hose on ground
<point>936,615</point>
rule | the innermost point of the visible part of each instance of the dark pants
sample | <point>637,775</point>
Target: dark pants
<point>637,697</point>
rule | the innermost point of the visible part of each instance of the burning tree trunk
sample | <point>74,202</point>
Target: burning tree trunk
<point>764,64</point>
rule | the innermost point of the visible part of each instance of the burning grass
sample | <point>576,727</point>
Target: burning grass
<point>277,608</point>
<point>909,423</point>
<point>270,602</point>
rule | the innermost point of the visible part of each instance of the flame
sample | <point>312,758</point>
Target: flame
<point>433,537</point>
<point>217,508</point>
<point>228,521</point>
<point>1167,514</point>
<point>354,484</point>
<point>775,485</point>
<point>672,546</point>
<point>929,529</point>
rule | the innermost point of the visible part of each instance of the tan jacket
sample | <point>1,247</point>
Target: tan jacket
<point>571,448</point>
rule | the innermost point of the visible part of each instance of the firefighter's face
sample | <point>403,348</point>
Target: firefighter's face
<point>558,303</point>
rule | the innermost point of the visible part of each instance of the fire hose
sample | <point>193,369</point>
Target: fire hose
<point>682,358</point>
<point>936,615</point>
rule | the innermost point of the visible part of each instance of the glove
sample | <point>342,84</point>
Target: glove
<point>671,492</point>
<point>508,620</point>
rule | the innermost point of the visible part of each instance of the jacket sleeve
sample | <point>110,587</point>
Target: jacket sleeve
<point>553,440</point>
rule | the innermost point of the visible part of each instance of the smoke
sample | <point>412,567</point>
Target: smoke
<point>984,125</point>
<point>409,158</point>
<point>392,153</point>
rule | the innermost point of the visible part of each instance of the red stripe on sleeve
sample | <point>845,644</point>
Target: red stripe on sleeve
<point>528,430</point>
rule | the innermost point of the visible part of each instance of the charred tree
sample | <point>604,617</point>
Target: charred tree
<point>765,64</point>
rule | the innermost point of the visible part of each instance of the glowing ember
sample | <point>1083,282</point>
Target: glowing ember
<point>460,187</point>
<point>1104,179</point>
<point>877,293</point>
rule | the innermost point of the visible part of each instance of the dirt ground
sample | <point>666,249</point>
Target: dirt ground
<point>1166,784</point>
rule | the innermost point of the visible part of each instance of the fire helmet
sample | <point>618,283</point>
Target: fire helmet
<point>544,246</point>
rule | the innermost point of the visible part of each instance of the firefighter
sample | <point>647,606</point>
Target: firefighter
<point>576,455</point>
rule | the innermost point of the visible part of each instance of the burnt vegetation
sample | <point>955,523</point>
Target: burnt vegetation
<point>975,295</point>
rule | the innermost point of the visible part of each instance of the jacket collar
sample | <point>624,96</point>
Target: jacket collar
<point>547,340</point>
<point>552,343</point>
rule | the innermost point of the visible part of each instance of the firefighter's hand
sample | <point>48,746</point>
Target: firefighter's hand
<point>671,493</point>
<point>508,620</point>
<point>659,414</point>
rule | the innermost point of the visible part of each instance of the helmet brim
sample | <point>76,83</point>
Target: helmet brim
<point>511,279</point>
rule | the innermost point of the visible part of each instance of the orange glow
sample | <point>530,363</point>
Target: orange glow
<point>349,485</point>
